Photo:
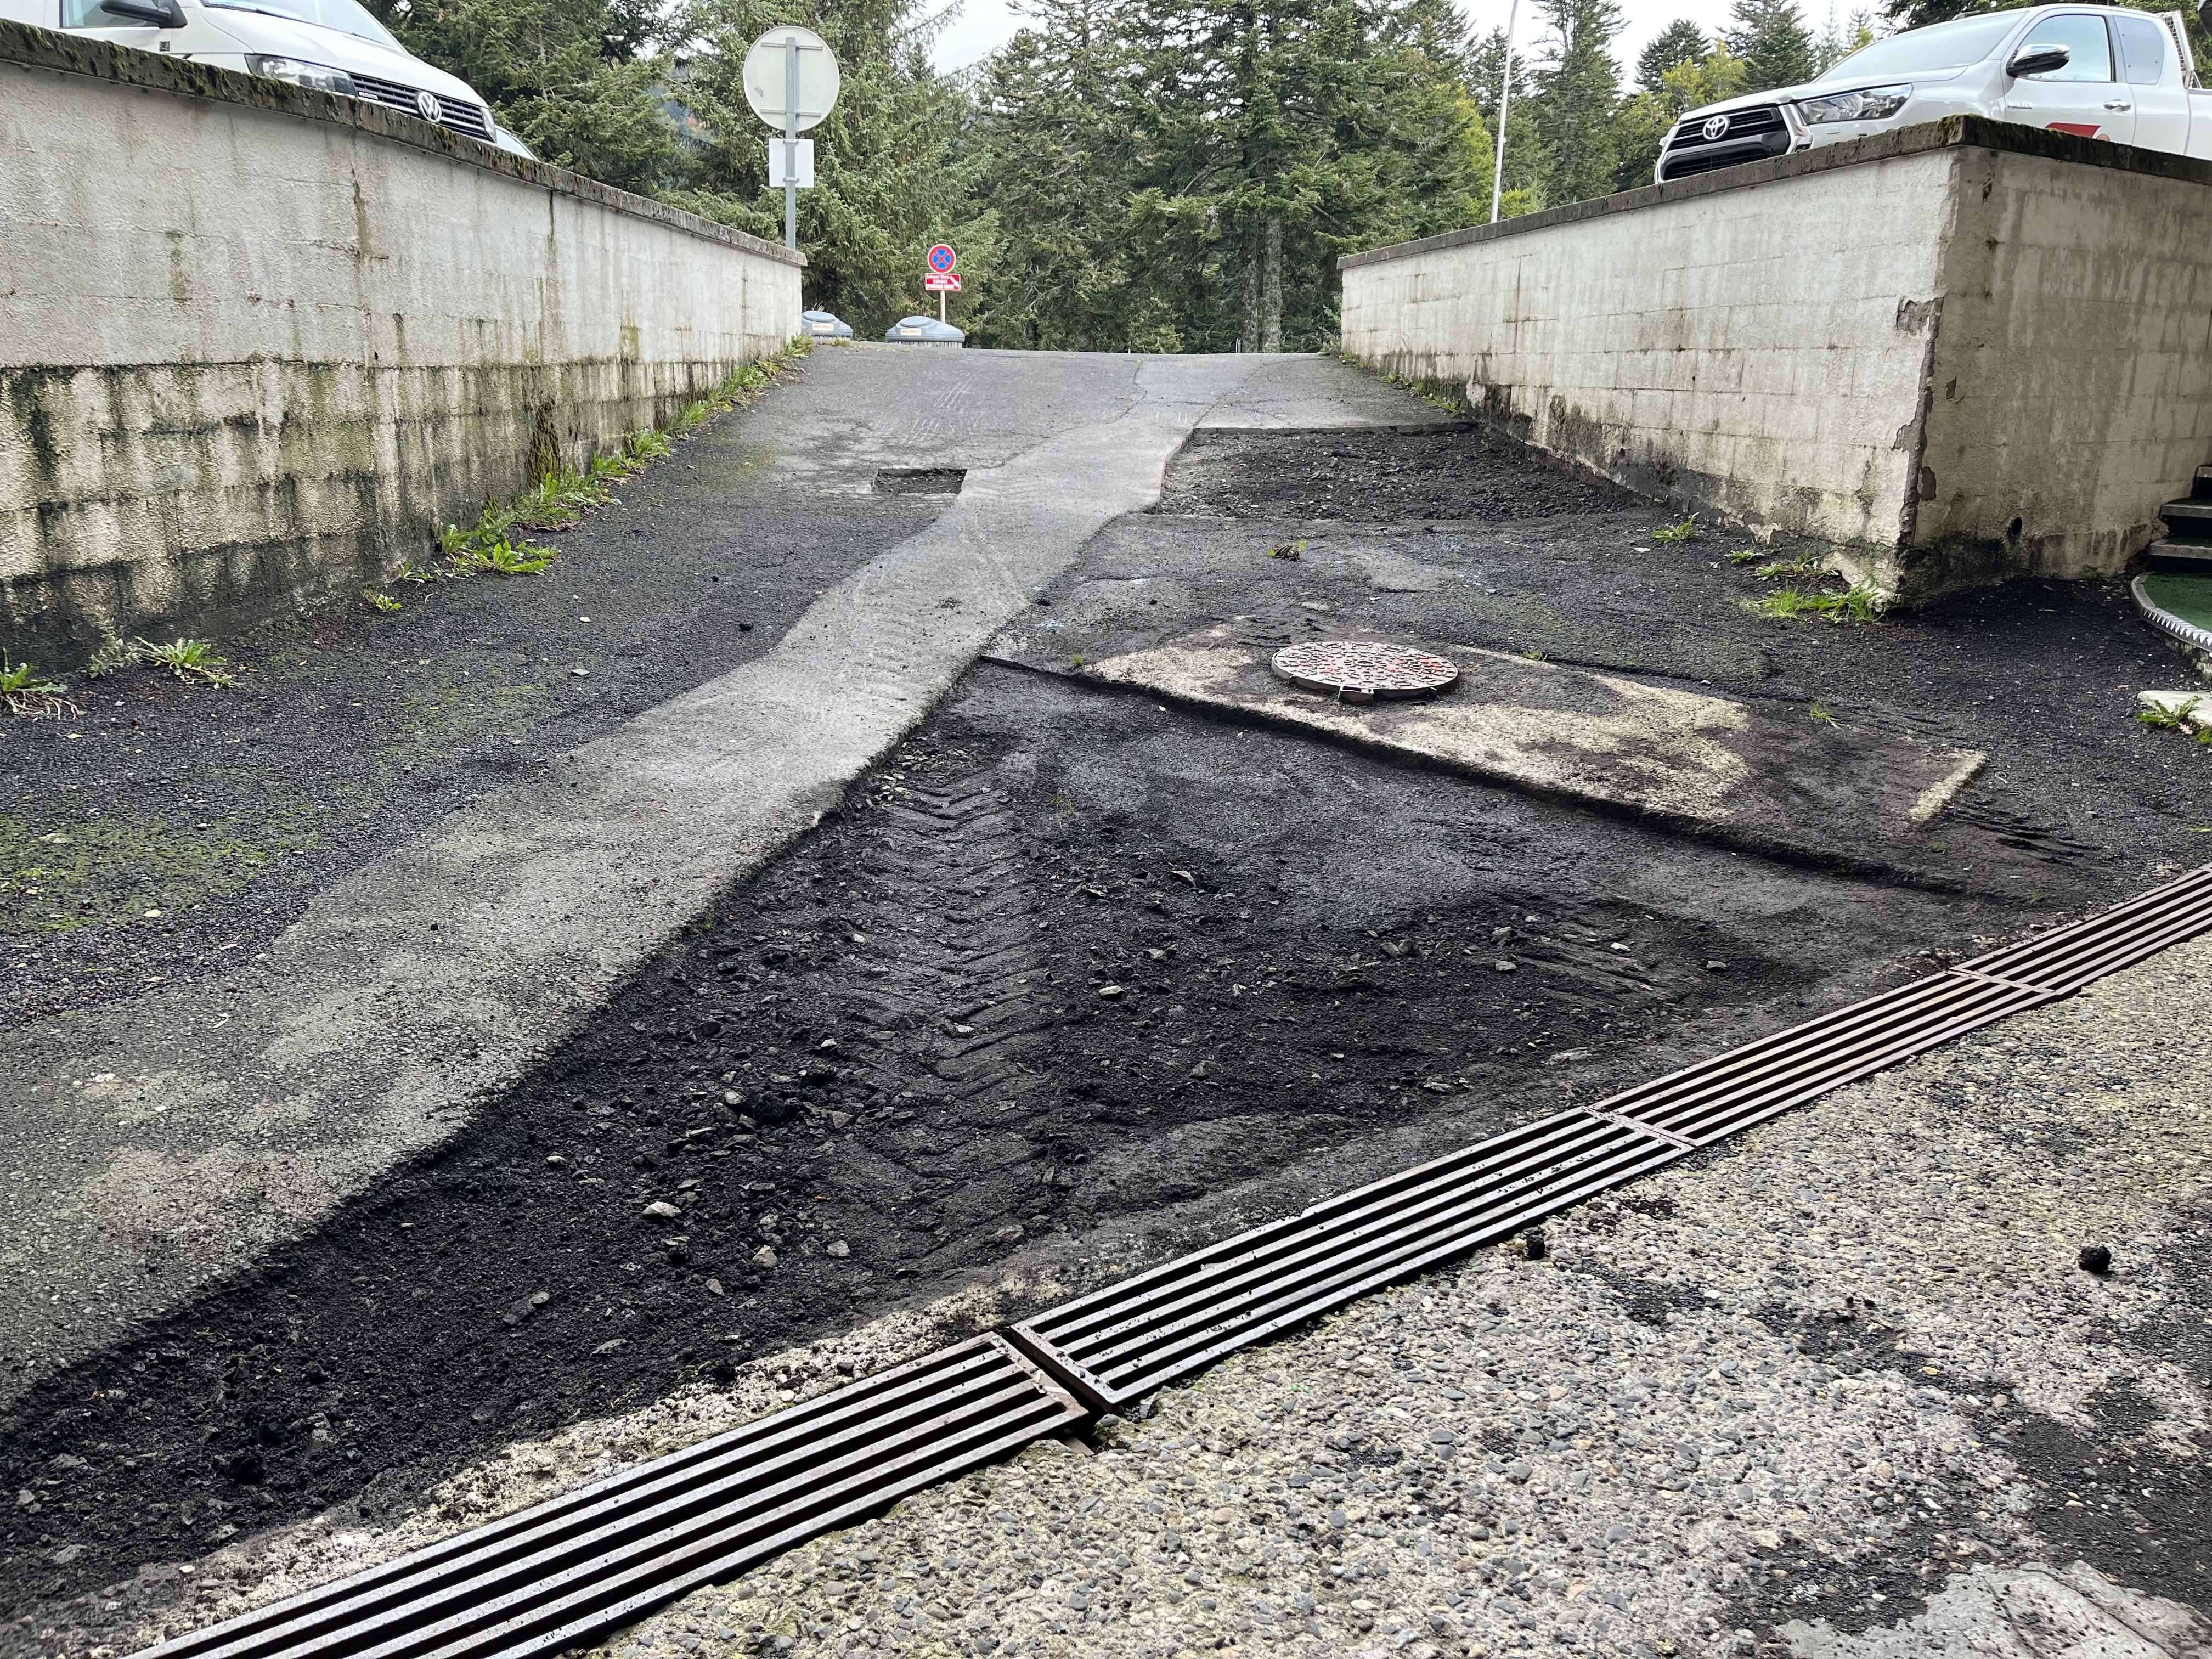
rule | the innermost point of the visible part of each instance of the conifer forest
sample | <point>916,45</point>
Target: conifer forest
<point>1123,175</point>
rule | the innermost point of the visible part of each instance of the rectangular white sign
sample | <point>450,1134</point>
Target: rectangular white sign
<point>776,149</point>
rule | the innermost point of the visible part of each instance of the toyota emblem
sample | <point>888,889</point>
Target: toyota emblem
<point>431,110</point>
<point>1715,127</point>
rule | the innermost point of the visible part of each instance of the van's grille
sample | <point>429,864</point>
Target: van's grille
<point>1752,135</point>
<point>455,112</point>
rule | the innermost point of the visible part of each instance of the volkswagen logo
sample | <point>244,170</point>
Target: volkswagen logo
<point>1715,126</point>
<point>427,105</point>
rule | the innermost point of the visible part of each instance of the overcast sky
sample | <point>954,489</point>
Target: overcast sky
<point>983,25</point>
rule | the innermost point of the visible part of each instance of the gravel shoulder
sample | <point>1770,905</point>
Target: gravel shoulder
<point>1838,1390</point>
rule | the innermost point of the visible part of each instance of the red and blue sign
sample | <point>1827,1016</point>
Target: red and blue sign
<point>942,259</point>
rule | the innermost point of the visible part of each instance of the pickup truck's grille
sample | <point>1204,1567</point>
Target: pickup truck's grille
<point>1752,135</point>
<point>455,112</point>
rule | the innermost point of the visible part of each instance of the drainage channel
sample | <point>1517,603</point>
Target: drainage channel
<point>566,1571</point>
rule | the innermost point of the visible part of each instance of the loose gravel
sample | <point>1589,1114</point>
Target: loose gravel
<point>1837,1389</point>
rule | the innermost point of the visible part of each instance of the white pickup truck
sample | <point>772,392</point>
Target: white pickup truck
<point>2098,71</point>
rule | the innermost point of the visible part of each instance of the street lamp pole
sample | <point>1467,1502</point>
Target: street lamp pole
<point>1505,104</point>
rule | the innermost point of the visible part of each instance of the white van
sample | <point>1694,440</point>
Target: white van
<point>332,46</point>
<point>2109,72</point>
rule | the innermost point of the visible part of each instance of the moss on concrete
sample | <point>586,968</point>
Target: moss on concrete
<point>58,876</point>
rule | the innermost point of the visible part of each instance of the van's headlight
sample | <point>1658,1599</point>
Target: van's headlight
<point>320,76</point>
<point>1874,104</point>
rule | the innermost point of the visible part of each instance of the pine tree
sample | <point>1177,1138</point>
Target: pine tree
<point>1771,39</point>
<point>572,78</point>
<point>1055,123</point>
<point>1577,96</point>
<point>1841,38</point>
<point>1681,42</point>
<point>1180,174</point>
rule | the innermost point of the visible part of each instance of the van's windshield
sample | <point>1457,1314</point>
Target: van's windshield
<point>343,15</point>
<point>1924,52</point>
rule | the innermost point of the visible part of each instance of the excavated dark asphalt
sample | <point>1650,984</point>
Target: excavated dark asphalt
<point>1067,956</point>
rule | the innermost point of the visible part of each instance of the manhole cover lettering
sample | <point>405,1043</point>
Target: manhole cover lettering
<point>1356,669</point>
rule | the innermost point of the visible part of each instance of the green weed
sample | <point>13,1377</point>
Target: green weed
<point>380,602</point>
<point>193,661</point>
<point>24,691</point>
<point>1686,531</point>
<point>472,554</point>
<point>1821,715</point>
<point>1291,552</point>
<point>113,653</point>
<point>1858,604</point>
<point>2177,719</point>
<point>1746,555</point>
<point>491,546</point>
<point>645,445</point>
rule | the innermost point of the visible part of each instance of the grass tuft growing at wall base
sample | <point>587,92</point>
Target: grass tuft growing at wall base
<point>495,544</point>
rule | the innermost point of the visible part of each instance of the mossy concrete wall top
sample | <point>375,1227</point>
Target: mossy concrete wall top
<point>259,341</point>
<point>1960,352</point>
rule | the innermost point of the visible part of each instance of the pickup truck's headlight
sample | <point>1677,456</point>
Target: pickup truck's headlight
<point>1874,104</point>
<point>320,76</point>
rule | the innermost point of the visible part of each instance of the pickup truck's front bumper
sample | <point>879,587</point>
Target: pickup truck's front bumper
<point>1752,134</point>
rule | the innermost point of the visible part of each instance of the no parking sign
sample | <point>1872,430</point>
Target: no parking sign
<point>942,259</point>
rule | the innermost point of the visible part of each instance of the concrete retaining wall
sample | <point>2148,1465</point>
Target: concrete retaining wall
<point>257,342</point>
<point>1961,352</point>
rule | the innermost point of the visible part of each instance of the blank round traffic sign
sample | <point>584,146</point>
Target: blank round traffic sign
<point>942,259</point>
<point>765,75</point>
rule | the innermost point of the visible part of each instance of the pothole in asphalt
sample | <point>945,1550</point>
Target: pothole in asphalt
<point>920,480</point>
<point>1066,959</point>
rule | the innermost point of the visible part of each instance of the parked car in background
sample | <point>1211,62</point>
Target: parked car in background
<point>334,46</point>
<point>2105,72</point>
<point>923,331</point>
<point>825,325</point>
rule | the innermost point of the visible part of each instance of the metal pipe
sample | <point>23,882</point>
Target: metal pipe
<point>791,142</point>
<point>1504,105</point>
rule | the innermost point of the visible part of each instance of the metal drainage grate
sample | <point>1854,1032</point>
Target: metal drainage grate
<point>566,1571</point>
<point>1356,670</point>
<point>1121,1342</point>
<point>569,1571</point>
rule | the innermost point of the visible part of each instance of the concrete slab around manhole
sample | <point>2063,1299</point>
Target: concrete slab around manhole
<point>1771,778</point>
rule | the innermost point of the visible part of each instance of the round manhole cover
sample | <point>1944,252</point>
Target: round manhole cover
<point>1356,670</point>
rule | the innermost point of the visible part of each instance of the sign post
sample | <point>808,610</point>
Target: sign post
<point>940,276</point>
<point>791,80</point>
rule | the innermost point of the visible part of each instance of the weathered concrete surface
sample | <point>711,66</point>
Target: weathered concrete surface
<point>269,366</point>
<point>1709,763</point>
<point>2028,1612</point>
<point>155,1148</point>
<point>1964,351</point>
